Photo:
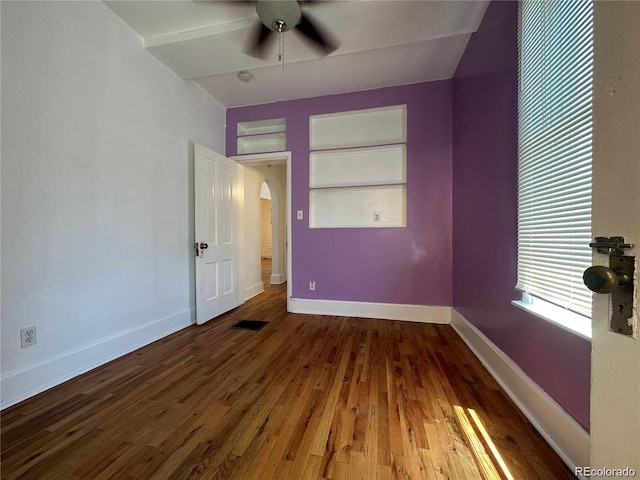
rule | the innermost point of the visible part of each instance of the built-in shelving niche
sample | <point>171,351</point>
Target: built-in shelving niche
<point>357,207</point>
<point>382,165</point>
<point>358,168</point>
<point>262,136</point>
<point>358,128</point>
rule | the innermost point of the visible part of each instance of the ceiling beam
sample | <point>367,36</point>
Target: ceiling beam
<point>208,31</point>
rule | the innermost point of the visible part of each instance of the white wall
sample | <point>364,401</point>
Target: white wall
<point>97,209</point>
<point>251,223</point>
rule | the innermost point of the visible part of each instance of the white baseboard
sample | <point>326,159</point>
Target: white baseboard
<point>565,435</point>
<point>253,290</point>
<point>20,384</point>
<point>278,278</point>
<point>388,311</point>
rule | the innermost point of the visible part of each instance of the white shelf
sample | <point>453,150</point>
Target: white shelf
<point>271,142</point>
<point>358,128</point>
<point>358,207</point>
<point>358,166</point>
<point>259,127</point>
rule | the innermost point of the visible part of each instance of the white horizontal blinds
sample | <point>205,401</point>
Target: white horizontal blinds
<point>554,150</point>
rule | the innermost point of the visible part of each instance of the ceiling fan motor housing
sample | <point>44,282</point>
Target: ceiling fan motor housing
<point>279,15</point>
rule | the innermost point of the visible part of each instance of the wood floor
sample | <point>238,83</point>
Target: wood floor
<point>307,397</point>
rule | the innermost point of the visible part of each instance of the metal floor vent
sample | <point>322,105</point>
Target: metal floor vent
<point>254,325</point>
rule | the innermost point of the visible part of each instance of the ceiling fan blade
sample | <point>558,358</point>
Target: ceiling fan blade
<point>257,41</point>
<point>319,37</point>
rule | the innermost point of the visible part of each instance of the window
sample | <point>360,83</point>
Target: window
<point>554,158</point>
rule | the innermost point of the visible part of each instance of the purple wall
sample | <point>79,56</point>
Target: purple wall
<point>409,265</point>
<point>485,217</point>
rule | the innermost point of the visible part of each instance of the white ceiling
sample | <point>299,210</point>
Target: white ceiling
<point>382,43</point>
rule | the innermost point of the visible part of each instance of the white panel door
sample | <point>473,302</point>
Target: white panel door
<point>216,205</point>
<point>615,358</point>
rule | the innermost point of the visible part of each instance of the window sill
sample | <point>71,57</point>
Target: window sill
<point>569,321</point>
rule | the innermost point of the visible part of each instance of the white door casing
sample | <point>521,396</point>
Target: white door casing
<point>217,201</point>
<point>615,359</point>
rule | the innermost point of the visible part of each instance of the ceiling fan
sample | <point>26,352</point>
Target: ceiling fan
<point>279,16</point>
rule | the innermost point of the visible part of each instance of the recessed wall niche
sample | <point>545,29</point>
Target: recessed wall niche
<point>358,128</point>
<point>357,168</point>
<point>262,136</point>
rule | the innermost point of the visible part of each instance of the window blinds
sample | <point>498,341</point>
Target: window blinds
<point>554,150</point>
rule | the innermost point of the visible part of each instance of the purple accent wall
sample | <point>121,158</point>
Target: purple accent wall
<point>485,217</point>
<point>409,265</point>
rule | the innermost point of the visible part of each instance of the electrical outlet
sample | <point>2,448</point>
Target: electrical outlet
<point>312,284</point>
<point>376,216</point>
<point>28,336</point>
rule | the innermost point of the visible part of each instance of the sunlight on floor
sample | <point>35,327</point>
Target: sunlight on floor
<point>491,465</point>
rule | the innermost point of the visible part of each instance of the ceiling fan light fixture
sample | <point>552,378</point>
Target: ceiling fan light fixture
<point>279,15</point>
<point>245,76</point>
<point>279,26</point>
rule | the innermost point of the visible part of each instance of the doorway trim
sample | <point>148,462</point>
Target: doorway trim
<point>257,159</point>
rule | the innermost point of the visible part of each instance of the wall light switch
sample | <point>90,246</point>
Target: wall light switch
<point>300,215</point>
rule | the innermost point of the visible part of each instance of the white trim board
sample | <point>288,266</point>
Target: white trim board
<point>20,384</point>
<point>253,290</point>
<point>387,311</point>
<point>563,433</point>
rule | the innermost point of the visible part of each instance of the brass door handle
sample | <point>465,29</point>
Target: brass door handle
<point>601,279</point>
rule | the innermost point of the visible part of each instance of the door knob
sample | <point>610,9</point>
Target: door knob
<point>601,279</point>
<point>204,246</point>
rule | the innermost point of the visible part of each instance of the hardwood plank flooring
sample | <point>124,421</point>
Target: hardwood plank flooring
<point>306,397</point>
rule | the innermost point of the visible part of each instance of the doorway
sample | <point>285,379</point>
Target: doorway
<point>274,170</point>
